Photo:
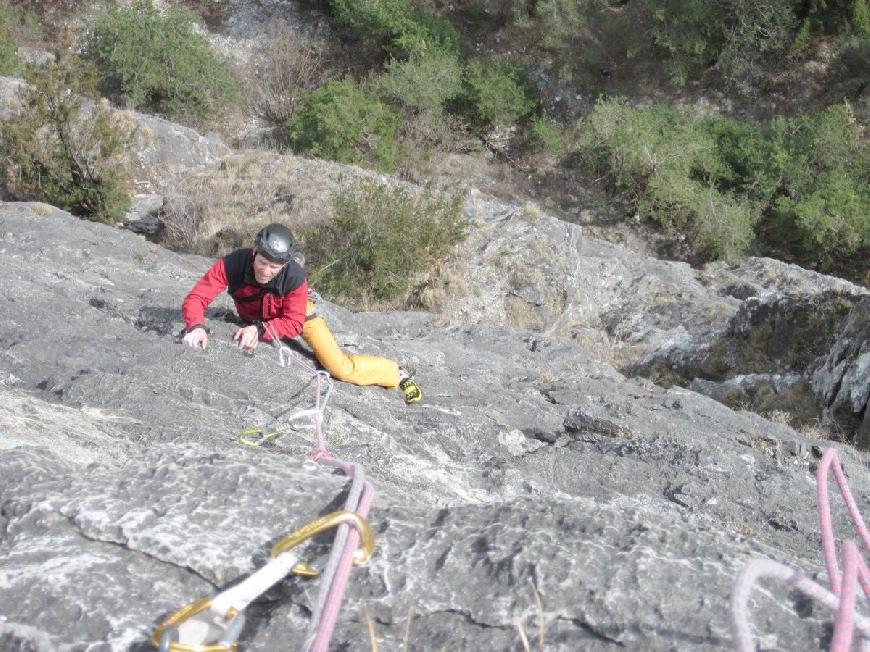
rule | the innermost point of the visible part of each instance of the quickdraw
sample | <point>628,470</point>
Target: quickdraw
<point>214,624</point>
<point>220,619</point>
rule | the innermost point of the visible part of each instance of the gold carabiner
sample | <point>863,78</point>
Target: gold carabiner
<point>184,614</point>
<point>361,556</point>
<point>258,436</point>
<point>343,517</point>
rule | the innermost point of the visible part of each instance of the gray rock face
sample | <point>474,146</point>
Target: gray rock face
<point>781,350</point>
<point>161,149</point>
<point>143,214</point>
<point>532,461</point>
<point>842,378</point>
<point>754,335</point>
<point>164,149</point>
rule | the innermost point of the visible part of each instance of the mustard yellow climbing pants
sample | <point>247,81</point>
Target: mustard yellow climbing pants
<point>354,369</point>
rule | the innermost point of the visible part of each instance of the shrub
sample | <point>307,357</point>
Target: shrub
<point>396,25</point>
<point>424,82</point>
<point>159,63</point>
<point>8,52</point>
<point>343,122</point>
<point>669,165</point>
<point>545,136</point>
<point>753,164</point>
<point>381,238</point>
<point>421,86</point>
<point>805,177</point>
<point>15,22</point>
<point>61,148</point>
<point>691,33</point>
<point>560,20</point>
<point>730,34</point>
<point>825,191</point>
<point>283,67</point>
<point>839,17</point>
<point>495,94</point>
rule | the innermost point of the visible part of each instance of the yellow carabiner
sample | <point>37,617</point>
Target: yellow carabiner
<point>342,517</point>
<point>361,556</point>
<point>184,614</point>
<point>257,436</point>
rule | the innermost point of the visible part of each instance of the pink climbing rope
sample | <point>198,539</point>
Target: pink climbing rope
<point>360,497</point>
<point>842,595</point>
<point>831,462</point>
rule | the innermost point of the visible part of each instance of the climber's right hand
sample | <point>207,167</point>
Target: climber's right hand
<point>196,337</point>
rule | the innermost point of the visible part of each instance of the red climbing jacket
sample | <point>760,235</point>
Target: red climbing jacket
<point>280,303</point>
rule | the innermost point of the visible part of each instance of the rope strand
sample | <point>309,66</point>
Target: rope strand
<point>360,497</point>
<point>842,596</point>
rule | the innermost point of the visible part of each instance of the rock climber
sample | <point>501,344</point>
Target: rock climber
<point>268,286</point>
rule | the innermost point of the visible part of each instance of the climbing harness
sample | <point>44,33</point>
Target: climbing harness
<point>220,619</point>
<point>841,596</point>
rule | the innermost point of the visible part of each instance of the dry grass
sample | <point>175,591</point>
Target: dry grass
<point>443,286</point>
<point>824,431</point>
<point>532,213</point>
<point>521,630</point>
<point>778,416</point>
<point>373,639</point>
<point>213,212</point>
<point>284,65</point>
<point>814,430</point>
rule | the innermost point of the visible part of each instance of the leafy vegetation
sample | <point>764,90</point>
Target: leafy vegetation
<point>799,185</point>
<point>15,22</point>
<point>732,35</point>
<point>396,25</point>
<point>8,50</point>
<point>345,123</point>
<point>64,149</point>
<point>416,87</point>
<point>423,82</point>
<point>496,93</point>
<point>159,63</point>
<point>381,239</point>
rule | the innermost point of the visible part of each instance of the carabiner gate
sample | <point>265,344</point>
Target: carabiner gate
<point>342,517</point>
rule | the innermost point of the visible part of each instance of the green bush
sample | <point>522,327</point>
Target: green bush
<point>754,165</point>
<point>381,239</point>
<point>396,25</point>
<point>423,82</point>
<point>838,17</point>
<point>14,21</point>
<point>730,35</point>
<point>804,178</point>
<point>8,52</point>
<point>825,190</point>
<point>159,63</point>
<point>495,94</point>
<point>669,165</point>
<point>345,123</point>
<point>62,148</point>
<point>559,21</point>
<point>690,32</point>
<point>545,136</point>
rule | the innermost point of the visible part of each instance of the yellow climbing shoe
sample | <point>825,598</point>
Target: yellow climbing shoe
<point>411,390</point>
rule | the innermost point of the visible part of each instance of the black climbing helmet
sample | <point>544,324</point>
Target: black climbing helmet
<point>275,242</point>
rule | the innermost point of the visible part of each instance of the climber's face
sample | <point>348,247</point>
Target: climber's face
<point>264,269</point>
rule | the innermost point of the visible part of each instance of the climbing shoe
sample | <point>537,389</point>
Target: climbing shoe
<point>411,390</point>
